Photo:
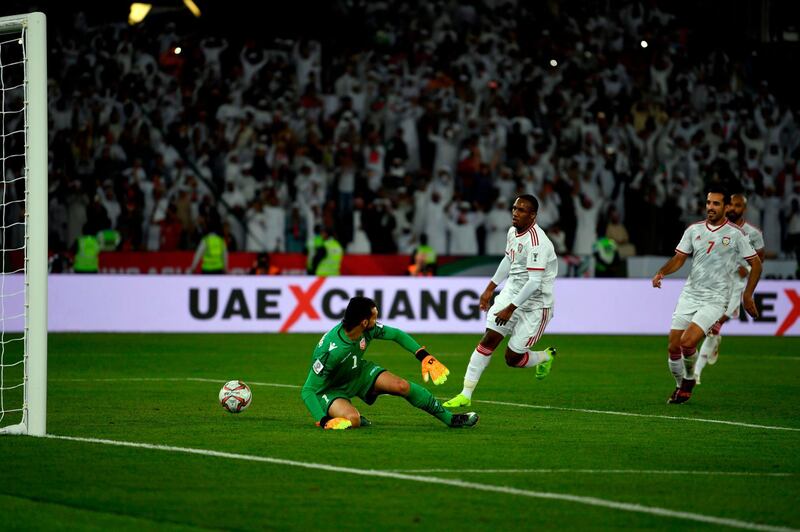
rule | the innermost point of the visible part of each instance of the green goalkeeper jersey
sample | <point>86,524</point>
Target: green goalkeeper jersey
<point>337,361</point>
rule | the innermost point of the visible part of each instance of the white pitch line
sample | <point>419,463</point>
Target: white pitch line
<point>601,471</point>
<point>579,499</point>
<point>501,403</point>
<point>631,414</point>
<point>158,379</point>
<point>273,384</point>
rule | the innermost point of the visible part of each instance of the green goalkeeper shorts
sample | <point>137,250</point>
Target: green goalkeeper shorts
<point>360,386</point>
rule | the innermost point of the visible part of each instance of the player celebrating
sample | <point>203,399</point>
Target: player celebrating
<point>339,372</point>
<point>714,245</point>
<point>525,305</point>
<point>735,214</point>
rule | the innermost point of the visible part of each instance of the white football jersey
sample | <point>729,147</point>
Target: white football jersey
<point>756,239</point>
<point>527,251</point>
<point>715,251</point>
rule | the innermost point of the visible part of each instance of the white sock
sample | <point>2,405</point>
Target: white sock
<point>710,344</point>
<point>477,363</point>
<point>677,369</point>
<point>702,360</point>
<point>535,358</point>
<point>689,358</point>
<point>689,363</point>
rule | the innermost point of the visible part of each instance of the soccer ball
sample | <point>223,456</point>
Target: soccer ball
<point>235,396</point>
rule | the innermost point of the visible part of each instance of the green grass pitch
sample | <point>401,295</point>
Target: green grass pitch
<point>524,466</point>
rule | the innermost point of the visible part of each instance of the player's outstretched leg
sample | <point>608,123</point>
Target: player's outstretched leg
<point>424,400</point>
<point>413,393</point>
<point>462,421</point>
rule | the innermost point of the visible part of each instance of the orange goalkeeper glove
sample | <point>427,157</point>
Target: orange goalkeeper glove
<point>431,368</point>
<point>334,423</point>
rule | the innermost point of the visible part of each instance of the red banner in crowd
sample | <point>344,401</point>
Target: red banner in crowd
<point>242,262</point>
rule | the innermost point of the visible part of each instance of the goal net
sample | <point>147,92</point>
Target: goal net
<point>23,224</point>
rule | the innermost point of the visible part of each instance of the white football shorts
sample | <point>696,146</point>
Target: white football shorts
<point>703,314</point>
<point>525,326</point>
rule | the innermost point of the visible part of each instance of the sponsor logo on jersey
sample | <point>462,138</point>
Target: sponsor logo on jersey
<point>318,367</point>
<point>535,257</point>
<point>363,344</point>
<point>519,249</point>
<point>726,240</point>
<point>332,346</point>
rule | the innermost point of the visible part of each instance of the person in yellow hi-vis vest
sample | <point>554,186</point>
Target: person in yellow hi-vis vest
<point>213,251</point>
<point>87,252</point>
<point>315,244</point>
<point>423,259</point>
<point>328,259</point>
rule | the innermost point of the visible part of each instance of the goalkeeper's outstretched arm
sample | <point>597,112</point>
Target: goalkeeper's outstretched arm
<point>403,339</point>
<point>431,368</point>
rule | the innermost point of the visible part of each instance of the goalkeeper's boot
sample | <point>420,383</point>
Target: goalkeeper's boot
<point>684,393</point>
<point>460,421</point>
<point>543,369</point>
<point>458,401</point>
<point>365,422</point>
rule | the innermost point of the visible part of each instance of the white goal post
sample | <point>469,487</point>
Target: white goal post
<point>23,68</point>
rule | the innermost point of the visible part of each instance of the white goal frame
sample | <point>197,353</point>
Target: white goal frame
<point>34,415</point>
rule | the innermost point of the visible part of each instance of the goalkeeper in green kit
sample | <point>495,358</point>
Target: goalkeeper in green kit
<point>339,372</point>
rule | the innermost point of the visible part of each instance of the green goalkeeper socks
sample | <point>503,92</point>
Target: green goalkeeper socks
<point>424,400</point>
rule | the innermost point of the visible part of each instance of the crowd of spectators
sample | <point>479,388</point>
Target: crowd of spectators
<point>429,122</point>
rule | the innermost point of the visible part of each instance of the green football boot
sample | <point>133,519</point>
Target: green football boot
<point>543,369</point>
<point>458,401</point>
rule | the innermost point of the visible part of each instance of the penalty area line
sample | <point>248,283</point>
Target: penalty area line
<point>631,414</point>
<point>578,499</point>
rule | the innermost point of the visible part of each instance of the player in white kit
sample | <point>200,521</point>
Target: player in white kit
<point>524,306</point>
<point>709,351</point>
<point>714,245</point>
